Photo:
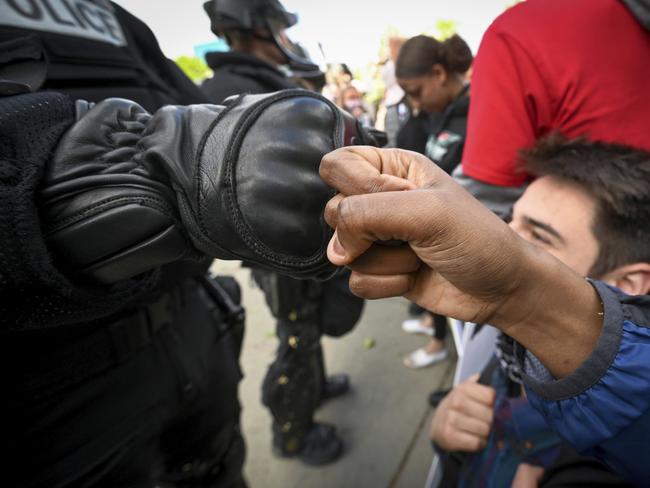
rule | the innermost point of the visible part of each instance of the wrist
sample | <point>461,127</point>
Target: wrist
<point>553,312</point>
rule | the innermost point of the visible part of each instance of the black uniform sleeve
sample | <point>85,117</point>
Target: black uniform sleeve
<point>127,188</point>
<point>121,192</point>
<point>35,293</point>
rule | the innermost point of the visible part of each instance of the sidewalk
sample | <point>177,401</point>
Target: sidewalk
<point>383,421</point>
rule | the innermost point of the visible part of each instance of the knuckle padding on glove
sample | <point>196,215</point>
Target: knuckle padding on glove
<point>257,165</point>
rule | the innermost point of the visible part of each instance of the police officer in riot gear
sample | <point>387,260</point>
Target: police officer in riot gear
<point>255,30</point>
<point>295,383</point>
<point>120,356</point>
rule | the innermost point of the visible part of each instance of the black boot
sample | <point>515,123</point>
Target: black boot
<point>335,386</point>
<point>319,445</point>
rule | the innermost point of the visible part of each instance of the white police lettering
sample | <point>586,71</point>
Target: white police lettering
<point>79,18</point>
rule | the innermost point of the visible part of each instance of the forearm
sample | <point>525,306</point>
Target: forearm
<point>554,313</point>
<point>36,293</point>
<point>109,210</point>
<point>128,191</point>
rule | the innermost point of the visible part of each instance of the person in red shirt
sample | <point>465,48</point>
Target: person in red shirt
<point>578,67</point>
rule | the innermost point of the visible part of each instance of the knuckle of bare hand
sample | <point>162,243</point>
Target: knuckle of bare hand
<point>376,184</point>
<point>349,211</point>
<point>491,395</point>
<point>456,402</point>
<point>325,166</point>
<point>331,211</point>
<point>467,388</point>
<point>358,285</point>
<point>472,445</point>
<point>451,418</point>
<point>448,434</point>
<point>328,165</point>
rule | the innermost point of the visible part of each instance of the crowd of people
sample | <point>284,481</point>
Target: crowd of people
<point>509,193</point>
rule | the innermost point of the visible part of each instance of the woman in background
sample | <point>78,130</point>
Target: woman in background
<point>433,75</point>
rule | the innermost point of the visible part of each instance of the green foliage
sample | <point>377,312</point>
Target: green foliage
<point>195,68</point>
<point>391,31</point>
<point>445,29</point>
<point>442,29</point>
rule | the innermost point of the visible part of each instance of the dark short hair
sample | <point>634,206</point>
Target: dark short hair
<point>618,178</point>
<point>418,55</point>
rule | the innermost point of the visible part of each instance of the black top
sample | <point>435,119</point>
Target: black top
<point>35,293</point>
<point>440,137</point>
<point>413,135</point>
<point>237,73</point>
<point>65,53</point>
<point>68,61</point>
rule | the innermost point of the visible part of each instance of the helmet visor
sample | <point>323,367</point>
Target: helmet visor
<point>291,49</point>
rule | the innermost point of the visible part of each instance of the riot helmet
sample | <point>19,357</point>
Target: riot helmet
<point>251,15</point>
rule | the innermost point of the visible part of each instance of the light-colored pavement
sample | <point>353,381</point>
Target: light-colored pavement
<point>383,420</point>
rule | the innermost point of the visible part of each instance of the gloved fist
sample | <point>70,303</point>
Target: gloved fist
<point>128,190</point>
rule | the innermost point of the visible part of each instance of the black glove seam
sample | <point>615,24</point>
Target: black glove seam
<point>65,189</point>
<point>107,204</point>
<point>199,157</point>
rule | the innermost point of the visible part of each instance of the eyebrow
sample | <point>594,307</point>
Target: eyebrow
<point>548,228</point>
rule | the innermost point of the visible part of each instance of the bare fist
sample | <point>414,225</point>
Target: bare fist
<point>463,420</point>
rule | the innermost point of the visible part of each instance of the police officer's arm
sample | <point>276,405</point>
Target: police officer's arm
<point>128,190</point>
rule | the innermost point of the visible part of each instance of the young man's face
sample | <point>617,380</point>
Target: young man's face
<point>557,215</point>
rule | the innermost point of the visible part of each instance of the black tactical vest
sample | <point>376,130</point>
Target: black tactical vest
<point>89,49</point>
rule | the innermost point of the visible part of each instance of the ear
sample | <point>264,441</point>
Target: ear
<point>633,279</point>
<point>438,72</point>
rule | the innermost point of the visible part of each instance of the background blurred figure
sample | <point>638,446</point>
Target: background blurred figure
<point>339,77</point>
<point>255,57</point>
<point>393,94</point>
<point>295,384</point>
<point>432,75</point>
<point>352,101</point>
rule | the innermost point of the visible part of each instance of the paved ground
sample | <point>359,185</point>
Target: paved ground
<point>383,421</point>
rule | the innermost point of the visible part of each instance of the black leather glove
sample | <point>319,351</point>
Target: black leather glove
<point>128,191</point>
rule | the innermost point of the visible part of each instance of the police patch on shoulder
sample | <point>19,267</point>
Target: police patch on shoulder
<point>79,18</point>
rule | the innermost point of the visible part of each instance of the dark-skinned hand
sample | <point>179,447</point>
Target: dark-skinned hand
<point>456,258</point>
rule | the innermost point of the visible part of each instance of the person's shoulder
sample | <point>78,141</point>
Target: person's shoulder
<point>533,18</point>
<point>225,83</point>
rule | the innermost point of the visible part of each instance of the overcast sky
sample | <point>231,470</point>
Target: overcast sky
<point>349,30</point>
